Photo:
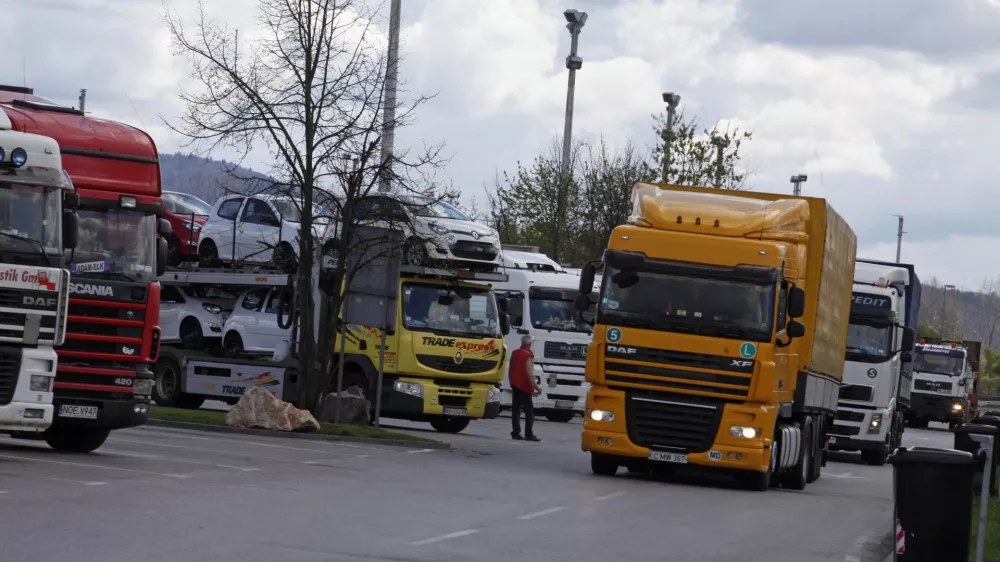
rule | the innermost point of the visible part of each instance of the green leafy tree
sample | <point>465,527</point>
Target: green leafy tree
<point>692,158</point>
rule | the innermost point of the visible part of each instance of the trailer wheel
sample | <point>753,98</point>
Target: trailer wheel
<point>75,439</point>
<point>799,476</point>
<point>449,425</point>
<point>166,383</point>
<point>603,465</point>
<point>560,416</point>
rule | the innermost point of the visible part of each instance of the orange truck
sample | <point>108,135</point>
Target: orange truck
<point>720,334</point>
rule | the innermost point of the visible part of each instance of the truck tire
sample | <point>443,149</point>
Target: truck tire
<point>166,383</point>
<point>874,457</point>
<point>603,465</point>
<point>798,476</point>
<point>449,425</point>
<point>75,439</point>
<point>190,401</point>
<point>560,416</point>
<point>819,435</point>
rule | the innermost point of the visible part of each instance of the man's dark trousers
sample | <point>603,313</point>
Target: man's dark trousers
<point>521,400</point>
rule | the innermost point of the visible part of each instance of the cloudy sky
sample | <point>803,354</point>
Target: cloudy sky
<point>890,107</point>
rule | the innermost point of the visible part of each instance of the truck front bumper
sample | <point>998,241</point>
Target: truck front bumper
<point>25,417</point>
<point>936,408</point>
<point>478,400</point>
<point>28,410</point>
<point>852,429</point>
<point>112,414</point>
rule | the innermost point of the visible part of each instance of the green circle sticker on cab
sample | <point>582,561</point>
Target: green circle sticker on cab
<point>872,373</point>
<point>748,350</point>
<point>613,335</point>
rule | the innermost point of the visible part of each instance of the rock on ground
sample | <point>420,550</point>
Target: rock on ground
<point>259,408</point>
<point>354,407</point>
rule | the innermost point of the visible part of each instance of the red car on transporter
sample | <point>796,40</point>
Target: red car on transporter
<point>186,214</point>
<point>103,379</point>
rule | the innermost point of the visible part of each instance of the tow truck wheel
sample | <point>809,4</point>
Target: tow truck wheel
<point>603,465</point>
<point>75,439</point>
<point>560,416</point>
<point>450,425</point>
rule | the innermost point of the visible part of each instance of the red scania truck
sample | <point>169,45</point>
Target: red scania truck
<point>103,380</point>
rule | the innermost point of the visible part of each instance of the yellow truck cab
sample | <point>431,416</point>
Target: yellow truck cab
<point>720,334</point>
<point>444,359</point>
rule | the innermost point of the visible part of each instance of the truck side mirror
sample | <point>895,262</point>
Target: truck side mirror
<point>502,303</point>
<point>795,329</point>
<point>161,255</point>
<point>582,301</point>
<point>165,228</point>
<point>504,324</point>
<point>906,356</point>
<point>796,303</point>
<point>908,336</point>
<point>71,230</point>
<point>587,279</point>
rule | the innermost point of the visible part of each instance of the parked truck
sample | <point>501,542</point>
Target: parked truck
<point>720,334</point>
<point>104,378</point>
<point>945,382</point>
<point>540,296</point>
<point>875,394</point>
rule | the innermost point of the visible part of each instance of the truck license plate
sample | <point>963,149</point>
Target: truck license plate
<point>75,411</point>
<point>668,457</point>
<point>456,412</point>
<point>565,404</point>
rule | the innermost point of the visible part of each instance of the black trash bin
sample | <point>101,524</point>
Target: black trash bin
<point>933,500</point>
<point>993,421</point>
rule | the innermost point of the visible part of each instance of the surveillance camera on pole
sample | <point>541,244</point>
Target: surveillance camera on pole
<point>672,100</point>
<point>798,181</point>
<point>575,21</point>
<point>720,144</point>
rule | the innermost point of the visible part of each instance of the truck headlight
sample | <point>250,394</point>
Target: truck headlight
<point>875,424</point>
<point>41,383</point>
<point>956,407</point>
<point>410,388</point>
<point>744,432</point>
<point>143,387</point>
<point>601,415</point>
<point>492,394</point>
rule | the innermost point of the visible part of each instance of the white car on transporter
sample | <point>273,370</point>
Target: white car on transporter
<point>435,231</point>
<point>260,229</point>
<point>194,315</point>
<point>252,328</point>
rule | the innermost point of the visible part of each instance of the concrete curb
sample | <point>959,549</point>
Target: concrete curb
<point>437,445</point>
<point>871,548</point>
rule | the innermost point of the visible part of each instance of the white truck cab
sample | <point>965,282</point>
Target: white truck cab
<point>540,296</point>
<point>875,390</point>
<point>943,381</point>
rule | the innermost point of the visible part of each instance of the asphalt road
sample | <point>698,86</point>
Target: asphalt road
<point>157,494</point>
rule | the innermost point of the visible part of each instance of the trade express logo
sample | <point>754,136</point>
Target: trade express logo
<point>488,349</point>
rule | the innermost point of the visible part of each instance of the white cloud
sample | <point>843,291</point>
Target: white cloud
<point>965,261</point>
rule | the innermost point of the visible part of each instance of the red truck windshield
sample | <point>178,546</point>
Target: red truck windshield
<point>116,243</point>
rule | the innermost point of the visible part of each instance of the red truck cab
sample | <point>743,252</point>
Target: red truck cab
<point>103,379</point>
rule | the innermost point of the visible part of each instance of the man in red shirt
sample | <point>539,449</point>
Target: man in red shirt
<point>523,387</point>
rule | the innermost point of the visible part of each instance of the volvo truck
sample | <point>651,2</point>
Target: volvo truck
<point>945,382</point>
<point>36,224</point>
<point>720,335</point>
<point>540,296</point>
<point>875,394</point>
<point>112,336</point>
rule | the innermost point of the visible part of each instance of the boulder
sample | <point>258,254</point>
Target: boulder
<point>354,407</point>
<point>259,408</point>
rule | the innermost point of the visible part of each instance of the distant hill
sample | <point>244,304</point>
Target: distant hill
<point>203,177</point>
<point>967,314</point>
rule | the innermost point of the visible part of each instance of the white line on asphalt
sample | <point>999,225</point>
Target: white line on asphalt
<point>88,465</point>
<point>851,559</point>
<point>189,435</point>
<point>449,536</point>
<point>844,475</point>
<point>541,513</point>
<point>199,449</point>
<point>183,461</point>
<point>609,496</point>
<point>420,451</point>
<point>84,482</point>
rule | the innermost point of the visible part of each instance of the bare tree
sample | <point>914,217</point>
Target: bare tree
<point>310,89</point>
<point>989,311</point>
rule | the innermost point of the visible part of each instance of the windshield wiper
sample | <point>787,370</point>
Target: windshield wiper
<point>732,327</point>
<point>41,248</point>
<point>112,275</point>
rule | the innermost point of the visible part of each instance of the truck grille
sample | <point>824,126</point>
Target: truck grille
<point>448,364</point>
<point>932,386</point>
<point>566,351</point>
<point>622,371</point>
<point>463,249</point>
<point>858,392</point>
<point>847,415</point>
<point>10,366</point>
<point>659,420</point>
<point>845,430</point>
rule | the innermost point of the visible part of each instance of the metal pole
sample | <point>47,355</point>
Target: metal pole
<point>83,99</point>
<point>389,110</point>
<point>575,23</point>
<point>381,349</point>
<point>899,238</point>
<point>720,145</point>
<point>672,101</point>
<point>340,359</point>
<point>797,182</point>
<point>944,301</point>
<point>984,498</point>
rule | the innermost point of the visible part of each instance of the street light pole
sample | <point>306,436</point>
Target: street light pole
<point>944,300</point>
<point>672,100</point>
<point>797,181</point>
<point>720,146</point>
<point>899,238</point>
<point>389,99</point>
<point>575,21</point>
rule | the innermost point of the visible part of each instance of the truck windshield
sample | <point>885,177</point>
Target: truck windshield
<point>116,243</point>
<point>454,311</point>
<point>869,343</point>
<point>736,309</point>
<point>30,219</point>
<point>940,363</point>
<point>552,309</point>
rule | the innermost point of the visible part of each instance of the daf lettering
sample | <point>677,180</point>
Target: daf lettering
<point>39,301</point>
<point>622,349</point>
<point>92,290</point>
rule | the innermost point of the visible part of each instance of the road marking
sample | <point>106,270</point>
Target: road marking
<point>88,465</point>
<point>188,435</point>
<point>420,451</point>
<point>183,461</point>
<point>449,536</point>
<point>609,496</point>
<point>851,559</point>
<point>541,513</point>
<point>844,475</point>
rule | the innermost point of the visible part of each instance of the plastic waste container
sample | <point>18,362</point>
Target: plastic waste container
<point>992,421</point>
<point>932,489</point>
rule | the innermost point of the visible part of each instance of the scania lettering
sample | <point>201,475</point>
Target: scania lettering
<point>737,306</point>
<point>878,370</point>
<point>540,295</point>
<point>114,297</point>
<point>37,223</point>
